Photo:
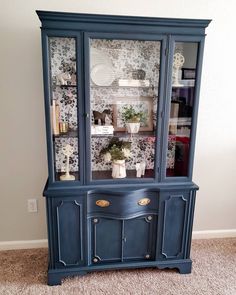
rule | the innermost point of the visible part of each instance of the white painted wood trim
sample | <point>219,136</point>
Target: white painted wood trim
<point>28,244</point>
<point>213,234</point>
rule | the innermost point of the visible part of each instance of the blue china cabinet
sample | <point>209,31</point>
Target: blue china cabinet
<point>121,101</point>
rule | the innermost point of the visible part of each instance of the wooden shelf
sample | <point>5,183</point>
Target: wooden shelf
<point>58,174</point>
<point>64,86</point>
<point>149,173</point>
<point>126,134</point>
<point>183,86</point>
<point>116,85</point>
<point>71,133</point>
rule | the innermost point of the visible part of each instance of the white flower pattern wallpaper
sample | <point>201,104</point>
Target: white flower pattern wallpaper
<point>125,56</point>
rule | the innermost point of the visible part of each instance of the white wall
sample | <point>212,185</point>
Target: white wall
<point>23,165</point>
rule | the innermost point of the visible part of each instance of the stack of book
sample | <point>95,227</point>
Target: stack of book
<point>55,114</point>
<point>134,83</point>
<point>102,130</point>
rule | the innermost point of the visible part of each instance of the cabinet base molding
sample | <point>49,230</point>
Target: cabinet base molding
<point>55,276</point>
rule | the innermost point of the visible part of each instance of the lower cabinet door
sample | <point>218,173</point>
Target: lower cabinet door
<point>106,242</point>
<point>68,223</point>
<point>139,238</point>
<point>117,240</point>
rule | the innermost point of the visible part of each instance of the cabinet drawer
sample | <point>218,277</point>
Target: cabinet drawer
<point>122,204</point>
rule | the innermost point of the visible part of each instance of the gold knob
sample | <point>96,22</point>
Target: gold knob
<point>144,201</point>
<point>102,203</point>
<point>95,260</point>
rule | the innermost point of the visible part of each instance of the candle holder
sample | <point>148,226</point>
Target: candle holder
<point>67,151</point>
<point>63,127</point>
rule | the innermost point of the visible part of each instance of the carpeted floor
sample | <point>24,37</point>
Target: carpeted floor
<point>214,272</point>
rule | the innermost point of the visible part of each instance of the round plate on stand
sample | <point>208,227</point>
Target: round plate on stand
<point>102,75</point>
<point>101,69</point>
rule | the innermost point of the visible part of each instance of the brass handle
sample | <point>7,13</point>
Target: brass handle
<point>144,202</point>
<point>102,203</point>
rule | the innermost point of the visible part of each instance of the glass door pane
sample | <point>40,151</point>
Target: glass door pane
<point>63,100</point>
<point>124,79</point>
<point>181,110</point>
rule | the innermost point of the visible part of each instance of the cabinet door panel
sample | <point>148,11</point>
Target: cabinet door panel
<point>122,106</point>
<point>69,218</point>
<point>174,216</point>
<point>182,111</point>
<point>64,107</point>
<point>139,237</point>
<point>121,240</point>
<point>106,239</point>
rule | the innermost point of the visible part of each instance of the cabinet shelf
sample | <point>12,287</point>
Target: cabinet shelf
<point>64,86</point>
<point>121,134</point>
<point>116,85</point>
<point>74,133</point>
<point>183,86</point>
<point>181,121</point>
<point>71,133</point>
<point>149,173</point>
<point>58,174</point>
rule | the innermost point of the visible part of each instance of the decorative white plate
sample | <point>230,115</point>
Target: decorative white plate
<point>98,57</point>
<point>102,74</point>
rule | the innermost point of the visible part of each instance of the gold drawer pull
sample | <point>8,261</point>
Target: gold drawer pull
<point>102,203</point>
<point>144,201</point>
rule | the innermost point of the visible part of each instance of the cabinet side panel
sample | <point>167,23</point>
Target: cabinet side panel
<point>50,232</point>
<point>69,215</point>
<point>190,223</point>
<point>175,210</point>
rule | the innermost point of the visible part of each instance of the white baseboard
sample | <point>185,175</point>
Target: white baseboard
<point>213,234</point>
<point>30,244</point>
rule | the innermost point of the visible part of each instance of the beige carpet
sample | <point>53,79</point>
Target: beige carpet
<point>214,272</point>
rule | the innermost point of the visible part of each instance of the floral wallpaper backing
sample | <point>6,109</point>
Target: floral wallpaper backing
<point>125,56</point>
<point>62,51</point>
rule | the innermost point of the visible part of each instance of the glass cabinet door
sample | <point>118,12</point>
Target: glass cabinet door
<point>181,109</point>
<point>64,107</point>
<point>124,87</point>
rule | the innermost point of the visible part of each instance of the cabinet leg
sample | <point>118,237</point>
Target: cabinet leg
<point>182,267</point>
<point>54,279</point>
<point>185,268</point>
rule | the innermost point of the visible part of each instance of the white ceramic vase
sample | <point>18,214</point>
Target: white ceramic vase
<point>118,169</point>
<point>133,127</point>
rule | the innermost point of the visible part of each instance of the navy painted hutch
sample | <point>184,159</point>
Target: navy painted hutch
<point>121,102</point>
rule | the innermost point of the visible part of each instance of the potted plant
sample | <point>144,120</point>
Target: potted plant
<point>117,151</point>
<point>132,119</point>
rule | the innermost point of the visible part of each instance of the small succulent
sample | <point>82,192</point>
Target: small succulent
<point>130,115</point>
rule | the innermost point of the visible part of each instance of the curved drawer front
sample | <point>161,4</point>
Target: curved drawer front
<point>123,204</point>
